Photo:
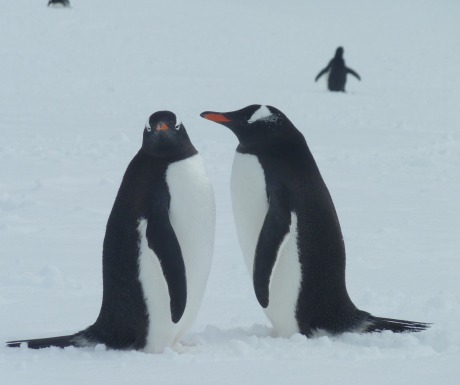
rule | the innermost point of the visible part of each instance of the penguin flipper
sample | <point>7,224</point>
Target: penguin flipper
<point>354,73</point>
<point>274,230</point>
<point>379,324</point>
<point>163,241</point>
<point>40,343</point>
<point>321,73</point>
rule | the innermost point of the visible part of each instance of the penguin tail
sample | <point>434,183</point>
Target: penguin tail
<point>60,342</point>
<point>379,324</point>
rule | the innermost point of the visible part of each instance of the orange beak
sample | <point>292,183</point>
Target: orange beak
<point>218,118</point>
<point>162,127</point>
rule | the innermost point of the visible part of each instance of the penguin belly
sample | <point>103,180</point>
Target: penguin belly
<point>161,329</point>
<point>249,203</point>
<point>250,206</point>
<point>192,213</point>
<point>285,285</point>
<point>192,216</point>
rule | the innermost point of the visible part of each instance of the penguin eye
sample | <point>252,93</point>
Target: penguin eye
<point>147,126</point>
<point>177,127</point>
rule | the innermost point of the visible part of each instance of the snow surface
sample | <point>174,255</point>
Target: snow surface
<point>76,86</point>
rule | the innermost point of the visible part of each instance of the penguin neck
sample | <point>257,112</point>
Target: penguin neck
<point>169,157</point>
<point>292,142</point>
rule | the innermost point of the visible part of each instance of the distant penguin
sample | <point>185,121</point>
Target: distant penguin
<point>58,3</point>
<point>157,248</point>
<point>338,72</point>
<point>289,231</point>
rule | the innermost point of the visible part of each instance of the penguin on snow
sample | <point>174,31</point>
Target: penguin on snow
<point>288,229</point>
<point>337,72</point>
<point>157,247</point>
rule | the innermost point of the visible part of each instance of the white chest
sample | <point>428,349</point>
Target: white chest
<point>192,216</point>
<point>249,202</point>
<point>250,206</point>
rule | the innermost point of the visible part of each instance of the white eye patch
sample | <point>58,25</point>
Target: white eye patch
<point>262,113</point>
<point>147,126</point>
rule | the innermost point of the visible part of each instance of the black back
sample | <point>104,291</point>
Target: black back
<point>122,322</point>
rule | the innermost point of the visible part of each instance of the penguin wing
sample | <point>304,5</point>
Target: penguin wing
<point>323,71</point>
<point>274,231</point>
<point>163,241</point>
<point>354,73</point>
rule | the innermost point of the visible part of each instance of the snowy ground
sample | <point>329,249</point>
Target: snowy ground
<point>76,86</point>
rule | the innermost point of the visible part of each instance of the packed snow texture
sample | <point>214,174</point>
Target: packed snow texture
<point>76,87</point>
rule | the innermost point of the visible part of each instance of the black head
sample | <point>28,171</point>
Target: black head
<point>165,137</point>
<point>64,3</point>
<point>256,125</point>
<point>339,52</point>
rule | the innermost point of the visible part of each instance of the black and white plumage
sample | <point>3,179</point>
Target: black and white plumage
<point>337,72</point>
<point>289,231</point>
<point>157,248</point>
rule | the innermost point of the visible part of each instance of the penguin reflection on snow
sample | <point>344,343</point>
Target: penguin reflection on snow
<point>157,247</point>
<point>337,72</point>
<point>289,231</point>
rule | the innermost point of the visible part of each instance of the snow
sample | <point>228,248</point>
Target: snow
<point>76,85</point>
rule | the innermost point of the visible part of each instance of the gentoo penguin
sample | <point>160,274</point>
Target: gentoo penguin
<point>58,3</point>
<point>338,72</point>
<point>289,231</point>
<point>157,248</point>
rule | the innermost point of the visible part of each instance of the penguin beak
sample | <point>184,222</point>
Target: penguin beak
<point>162,127</point>
<point>215,117</point>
